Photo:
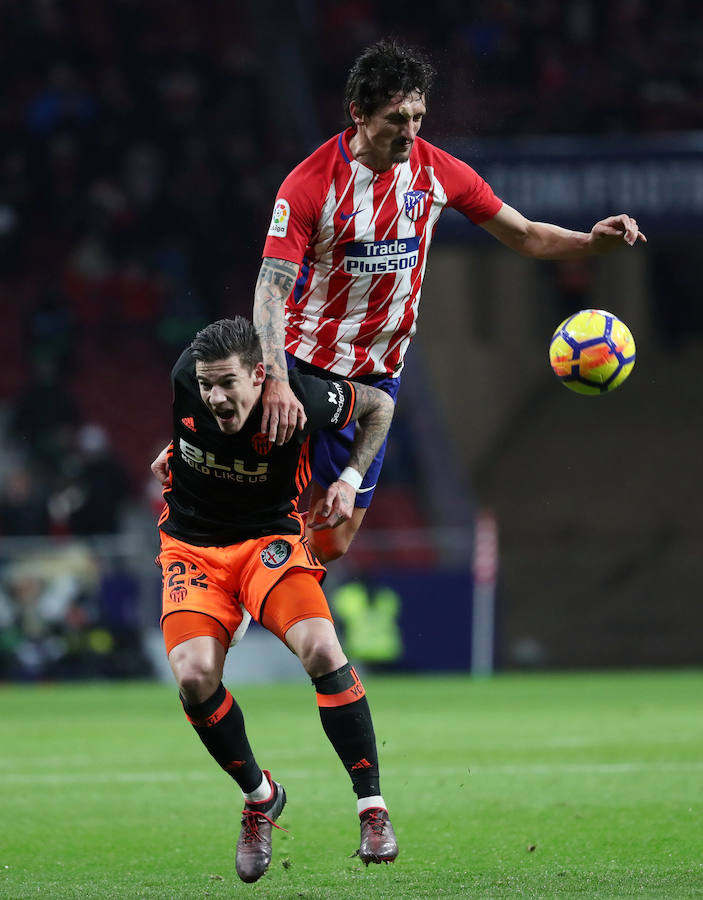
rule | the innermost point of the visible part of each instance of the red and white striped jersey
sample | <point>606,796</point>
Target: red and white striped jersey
<point>361,239</point>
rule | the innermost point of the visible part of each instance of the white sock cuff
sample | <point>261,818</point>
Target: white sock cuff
<point>263,792</point>
<point>364,803</point>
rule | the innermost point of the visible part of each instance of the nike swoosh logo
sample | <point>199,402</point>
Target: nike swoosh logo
<point>344,217</point>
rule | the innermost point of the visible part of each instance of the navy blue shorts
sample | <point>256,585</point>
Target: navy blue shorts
<point>331,447</point>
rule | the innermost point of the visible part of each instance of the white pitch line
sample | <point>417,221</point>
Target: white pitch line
<point>630,768</point>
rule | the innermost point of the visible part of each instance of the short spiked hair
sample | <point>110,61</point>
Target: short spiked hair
<point>383,70</point>
<point>221,339</point>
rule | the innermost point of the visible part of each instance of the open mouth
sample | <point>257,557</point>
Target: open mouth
<point>224,414</point>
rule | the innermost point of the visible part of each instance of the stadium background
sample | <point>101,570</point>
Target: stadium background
<point>142,148</point>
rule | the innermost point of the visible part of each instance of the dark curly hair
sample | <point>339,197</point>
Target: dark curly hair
<point>383,70</point>
<point>221,339</point>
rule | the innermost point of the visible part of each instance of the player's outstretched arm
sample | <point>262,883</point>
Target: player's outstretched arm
<point>542,240</point>
<point>373,411</point>
<point>283,412</point>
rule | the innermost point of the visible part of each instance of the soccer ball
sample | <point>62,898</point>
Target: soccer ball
<point>592,352</point>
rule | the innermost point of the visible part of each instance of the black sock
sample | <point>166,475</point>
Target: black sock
<point>346,719</point>
<point>219,723</point>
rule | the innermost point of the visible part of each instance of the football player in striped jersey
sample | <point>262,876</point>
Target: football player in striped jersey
<point>346,251</point>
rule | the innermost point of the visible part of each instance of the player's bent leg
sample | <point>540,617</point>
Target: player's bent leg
<point>341,699</point>
<point>197,664</point>
<point>331,543</point>
<point>346,720</point>
<point>197,661</point>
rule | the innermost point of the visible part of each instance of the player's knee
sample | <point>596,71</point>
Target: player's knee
<point>197,680</point>
<point>321,654</point>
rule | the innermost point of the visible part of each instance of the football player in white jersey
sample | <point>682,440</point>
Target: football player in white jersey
<point>346,251</point>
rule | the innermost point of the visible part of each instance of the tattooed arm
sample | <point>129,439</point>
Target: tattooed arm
<point>373,411</point>
<point>283,412</point>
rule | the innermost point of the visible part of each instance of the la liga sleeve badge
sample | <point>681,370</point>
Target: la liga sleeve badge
<point>280,218</point>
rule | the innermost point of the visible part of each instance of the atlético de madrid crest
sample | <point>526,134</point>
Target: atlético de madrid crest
<point>414,204</point>
<point>276,553</point>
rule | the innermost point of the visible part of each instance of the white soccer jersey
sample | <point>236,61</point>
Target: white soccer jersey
<point>361,239</point>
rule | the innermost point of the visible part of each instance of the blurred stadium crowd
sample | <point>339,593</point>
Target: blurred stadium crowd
<point>143,143</point>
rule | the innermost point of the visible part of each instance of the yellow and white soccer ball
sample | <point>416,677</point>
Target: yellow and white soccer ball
<point>592,352</point>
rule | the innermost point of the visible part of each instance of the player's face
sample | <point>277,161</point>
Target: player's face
<point>229,390</point>
<point>387,135</point>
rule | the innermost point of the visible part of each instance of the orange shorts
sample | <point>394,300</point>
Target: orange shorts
<point>226,582</point>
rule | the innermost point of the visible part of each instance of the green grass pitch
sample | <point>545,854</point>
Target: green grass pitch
<point>539,786</point>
